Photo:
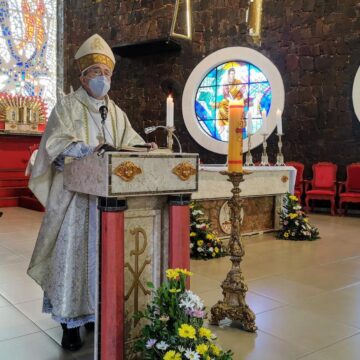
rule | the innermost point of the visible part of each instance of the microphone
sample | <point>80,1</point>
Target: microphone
<point>103,110</point>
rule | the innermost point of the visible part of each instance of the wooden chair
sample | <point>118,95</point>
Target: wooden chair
<point>323,184</point>
<point>349,190</point>
<point>299,182</point>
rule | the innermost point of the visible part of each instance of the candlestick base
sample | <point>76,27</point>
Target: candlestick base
<point>280,156</point>
<point>249,158</point>
<point>264,155</point>
<point>234,287</point>
<point>170,134</point>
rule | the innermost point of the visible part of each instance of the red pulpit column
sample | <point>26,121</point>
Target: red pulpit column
<point>179,225</point>
<point>112,297</point>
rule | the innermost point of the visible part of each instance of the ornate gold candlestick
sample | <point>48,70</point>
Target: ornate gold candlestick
<point>234,288</point>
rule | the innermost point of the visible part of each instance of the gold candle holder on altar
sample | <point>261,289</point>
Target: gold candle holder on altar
<point>264,155</point>
<point>234,306</point>
<point>280,156</point>
<point>170,140</point>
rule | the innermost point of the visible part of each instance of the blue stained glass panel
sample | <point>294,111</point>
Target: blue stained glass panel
<point>205,103</point>
<point>232,80</point>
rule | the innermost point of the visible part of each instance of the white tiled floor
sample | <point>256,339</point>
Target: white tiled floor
<point>305,295</point>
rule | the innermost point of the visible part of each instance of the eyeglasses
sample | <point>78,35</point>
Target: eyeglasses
<point>91,73</point>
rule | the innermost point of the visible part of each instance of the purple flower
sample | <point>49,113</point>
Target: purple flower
<point>150,343</point>
<point>198,314</point>
<point>286,222</point>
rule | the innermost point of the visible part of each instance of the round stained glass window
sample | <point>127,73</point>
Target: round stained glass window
<point>231,74</point>
<point>232,80</point>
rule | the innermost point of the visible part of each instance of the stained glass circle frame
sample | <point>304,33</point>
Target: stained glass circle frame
<point>231,54</point>
<point>356,94</point>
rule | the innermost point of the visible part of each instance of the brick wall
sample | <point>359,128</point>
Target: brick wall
<point>314,44</point>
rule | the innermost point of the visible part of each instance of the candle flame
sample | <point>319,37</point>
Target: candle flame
<point>170,96</point>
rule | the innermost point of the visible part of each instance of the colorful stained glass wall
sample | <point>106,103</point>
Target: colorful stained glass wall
<point>231,81</point>
<point>28,48</point>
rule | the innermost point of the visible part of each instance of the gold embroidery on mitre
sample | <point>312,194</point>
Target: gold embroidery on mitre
<point>127,170</point>
<point>184,170</point>
<point>92,59</point>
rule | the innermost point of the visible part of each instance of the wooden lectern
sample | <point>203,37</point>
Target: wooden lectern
<point>144,229</point>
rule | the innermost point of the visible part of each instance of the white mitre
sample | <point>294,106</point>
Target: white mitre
<point>95,50</point>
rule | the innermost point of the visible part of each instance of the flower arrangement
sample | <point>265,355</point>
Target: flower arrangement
<point>295,223</point>
<point>175,329</point>
<point>204,244</point>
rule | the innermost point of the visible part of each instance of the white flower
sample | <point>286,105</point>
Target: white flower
<point>191,245</point>
<point>192,355</point>
<point>199,249</point>
<point>190,301</point>
<point>296,223</point>
<point>211,249</point>
<point>181,349</point>
<point>162,345</point>
<point>197,212</point>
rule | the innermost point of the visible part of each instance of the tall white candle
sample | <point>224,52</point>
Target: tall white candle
<point>264,124</point>
<point>169,111</point>
<point>279,121</point>
<point>249,124</point>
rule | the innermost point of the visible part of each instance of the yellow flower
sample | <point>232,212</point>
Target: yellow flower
<point>187,331</point>
<point>213,254</point>
<point>192,234</point>
<point>184,271</point>
<point>174,290</point>
<point>202,349</point>
<point>293,198</point>
<point>172,355</point>
<point>200,242</point>
<point>293,215</point>
<point>172,274</point>
<point>204,332</point>
<point>216,249</point>
<point>286,234</point>
<point>210,236</point>
<point>306,219</point>
<point>215,350</point>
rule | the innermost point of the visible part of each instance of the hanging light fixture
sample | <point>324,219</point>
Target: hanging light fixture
<point>188,34</point>
<point>253,19</point>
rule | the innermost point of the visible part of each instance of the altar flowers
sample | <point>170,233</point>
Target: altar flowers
<point>204,244</point>
<point>174,327</point>
<point>295,224</point>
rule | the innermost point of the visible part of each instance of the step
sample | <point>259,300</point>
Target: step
<point>9,201</point>
<point>14,191</point>
<point>30,202</point>
<point>14,182</point>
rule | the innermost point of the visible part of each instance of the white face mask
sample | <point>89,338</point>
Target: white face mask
<point>99,85</point>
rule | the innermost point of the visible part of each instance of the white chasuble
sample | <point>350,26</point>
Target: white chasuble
<point>63,262</point>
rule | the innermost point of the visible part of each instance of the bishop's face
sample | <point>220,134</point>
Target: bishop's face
<point>96,80</point>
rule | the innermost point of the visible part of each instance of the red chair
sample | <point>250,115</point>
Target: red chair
<point>299,182</point>
<point>323,184</point>
<point>349,190</point>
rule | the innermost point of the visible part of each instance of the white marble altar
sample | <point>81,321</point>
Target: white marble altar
<point>263,182</point>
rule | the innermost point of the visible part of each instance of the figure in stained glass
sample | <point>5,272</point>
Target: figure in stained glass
<point>232,80</point>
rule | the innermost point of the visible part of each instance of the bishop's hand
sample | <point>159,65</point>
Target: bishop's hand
<point>102,148</point>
